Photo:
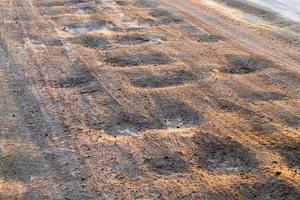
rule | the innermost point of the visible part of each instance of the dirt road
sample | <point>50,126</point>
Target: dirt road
<point>141,99</point>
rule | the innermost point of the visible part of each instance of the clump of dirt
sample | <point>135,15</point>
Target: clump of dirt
<point>137,39</point>
<point>263,96</point>
<point>91,26</point>
<point>270,189</point>
<point>176,114</point>
<point>207,38</point>
<point>223,155</point>
<point>166,17</point>
<point>168,164</point>
<point>139,59</point>
<point>240,64</point>
<point>91,41</point>
<point>164,79</point>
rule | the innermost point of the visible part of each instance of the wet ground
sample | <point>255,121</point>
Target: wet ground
<point>144,99</point>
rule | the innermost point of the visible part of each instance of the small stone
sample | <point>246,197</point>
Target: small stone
<point>278,173</point>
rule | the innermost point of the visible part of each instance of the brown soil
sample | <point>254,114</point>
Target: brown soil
<point>148,99</point>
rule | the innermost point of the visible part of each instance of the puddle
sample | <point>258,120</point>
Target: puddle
<point>91,26</point>
<point>139,59</point>
<point>240,64</point>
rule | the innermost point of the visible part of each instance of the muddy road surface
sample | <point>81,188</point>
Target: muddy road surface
<point>143,99</point>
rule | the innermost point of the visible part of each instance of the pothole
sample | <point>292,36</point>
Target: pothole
<point>91,26</point>
<point>176,114</point>
<point>240,64</point>
<point>164,79</point>
<point>223,155</point>
<point>85,10</point>
<point>166,17</point>
<point>137,39</point>
<point>168,164</point>
<point>130,124</point>
<point>270,188</point>
<point>290,119</point>
<point>207,38</point>
<point>137,24</point>
<point>264,96</point>
<point>91,41</point>
<point>139,59</point>
<point>145,3</point>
